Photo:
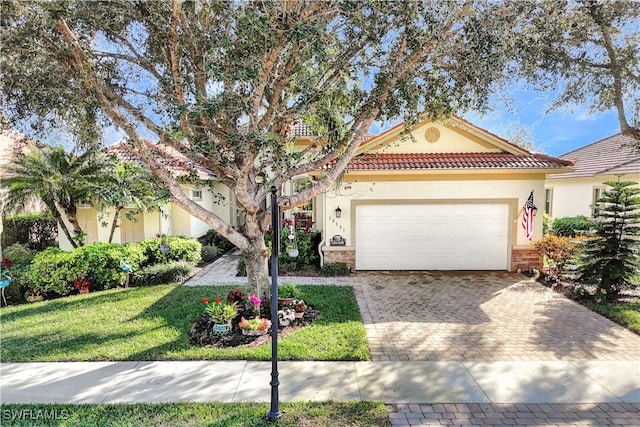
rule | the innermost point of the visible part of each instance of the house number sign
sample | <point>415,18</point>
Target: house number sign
<point>337,240</point>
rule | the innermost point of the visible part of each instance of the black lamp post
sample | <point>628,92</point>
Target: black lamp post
<point>274,413</point>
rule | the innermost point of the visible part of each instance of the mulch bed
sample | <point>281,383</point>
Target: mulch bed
<point>201,332</point>
<point>566,288</point>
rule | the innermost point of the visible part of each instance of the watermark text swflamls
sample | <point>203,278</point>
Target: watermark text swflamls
<point>34,414</point>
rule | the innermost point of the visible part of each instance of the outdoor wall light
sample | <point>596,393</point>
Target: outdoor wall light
<point>535,210</point>
<point>338,212</point>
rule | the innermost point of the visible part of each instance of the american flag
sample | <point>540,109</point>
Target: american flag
<point>527,217</point>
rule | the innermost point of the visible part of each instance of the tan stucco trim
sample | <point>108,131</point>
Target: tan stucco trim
<point>329,248</point>
<point>511,202</point>
<point>429,175</point>
<point>523,247</point>
<point>441,176</point>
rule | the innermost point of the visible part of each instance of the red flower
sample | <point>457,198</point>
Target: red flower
<point>218,300</point>
<point>81,284</point>
<point>7,262</point>
<point>205,300</point>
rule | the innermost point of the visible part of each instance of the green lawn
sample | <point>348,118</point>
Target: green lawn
<point>152,323</point>
<point>626,314</point>
<point>308,414</point>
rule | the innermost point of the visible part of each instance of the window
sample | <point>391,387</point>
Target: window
<point>303,215</point>
<point>598,192</point>
<point>85,203</point>
<point>548,200</point>
<point>196,195</point>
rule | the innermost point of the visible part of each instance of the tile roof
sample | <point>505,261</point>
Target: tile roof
<point>303,129</point>
<point>168,156</point>
<point>452,161</point>
<point>609,156</point>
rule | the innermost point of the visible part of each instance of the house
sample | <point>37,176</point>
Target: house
<point>170,219</point>
<point>449,197</point>
<point>573,193</point>
<point>446,196</point>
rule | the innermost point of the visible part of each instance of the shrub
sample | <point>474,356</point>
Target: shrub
<point>308,256</point>
<point>571,226</point>
<point>21,257</point>
<point>242,267</point>
<point>209,253</point>
<point>159,274</point>
<point>182,249</point>
<point>236,295</point>
<point>37,230</point>
<point>547,223</point>
<point>213,238</point>
<point>335,269</point>
<point>557,249</point>
<point>53,271</point>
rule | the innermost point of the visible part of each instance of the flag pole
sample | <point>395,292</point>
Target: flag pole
<point>522,208</point>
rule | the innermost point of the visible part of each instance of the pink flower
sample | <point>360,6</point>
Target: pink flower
<point>255,300</point>
<point>205,300</point>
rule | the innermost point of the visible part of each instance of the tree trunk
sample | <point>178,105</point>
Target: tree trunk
<point>114,223</point>
<point>56,214</point>
<point>71,211</point>
<point>255,257</point>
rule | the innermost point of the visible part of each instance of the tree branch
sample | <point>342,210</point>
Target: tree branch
<point>174,55</point>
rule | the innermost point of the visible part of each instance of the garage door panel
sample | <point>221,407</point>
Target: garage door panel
<point>432,237</point>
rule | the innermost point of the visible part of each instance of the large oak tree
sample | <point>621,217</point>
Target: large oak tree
<point>585,52</point>
<point>225,82</point>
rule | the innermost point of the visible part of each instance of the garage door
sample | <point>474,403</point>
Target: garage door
<point>432,237</point>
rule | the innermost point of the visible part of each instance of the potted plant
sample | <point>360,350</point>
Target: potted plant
<point>299,307</point>
<point>286,316</point>
<point>221,314</point>
<point>287,293</point>
<point>255,326</point>
<point>82,285</point>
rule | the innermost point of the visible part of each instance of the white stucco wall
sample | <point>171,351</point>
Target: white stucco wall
<point>574,196</point>
<point>451,189</point>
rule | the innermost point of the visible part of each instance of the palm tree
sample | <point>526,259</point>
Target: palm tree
<point>59,179</point>
<point>128,185</point>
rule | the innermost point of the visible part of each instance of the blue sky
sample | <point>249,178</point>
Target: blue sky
<point>551,132</point>
<point>554,133</point>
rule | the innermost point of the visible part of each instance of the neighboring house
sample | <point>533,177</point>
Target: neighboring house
<point>12,143</point>
<point>573,193</point>
<point>450,198</point>
<point>134,226</point>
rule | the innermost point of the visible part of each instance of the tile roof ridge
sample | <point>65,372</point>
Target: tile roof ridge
<point>592,143</point>
<point>632,160</point>
<point>552,158</point>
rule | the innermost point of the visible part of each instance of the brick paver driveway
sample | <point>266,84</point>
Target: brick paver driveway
<point>481,316</point>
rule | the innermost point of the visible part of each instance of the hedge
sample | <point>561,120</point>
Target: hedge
<point>570,226</point>
<point>37,230</point>
<point>53,271</point>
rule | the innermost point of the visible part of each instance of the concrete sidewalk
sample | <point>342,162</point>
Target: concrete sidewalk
<point>391,382</point>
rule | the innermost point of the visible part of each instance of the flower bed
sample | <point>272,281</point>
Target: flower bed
<point>201,334</point>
